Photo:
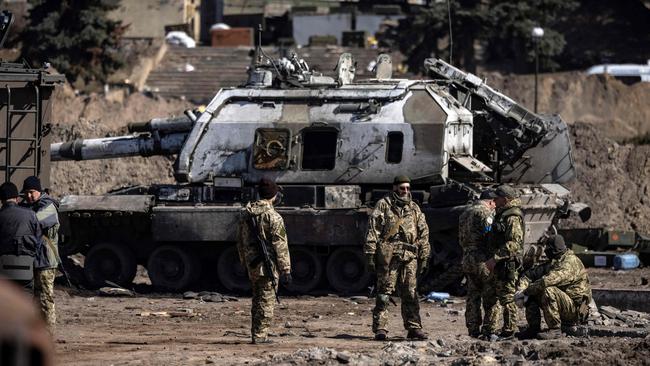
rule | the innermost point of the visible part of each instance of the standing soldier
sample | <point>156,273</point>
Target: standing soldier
<point>507,245</point>
<point>259,225</point>
<point>398,243</point>
<point>560,288</point>
<point>475,225</point>
<point>20,239</point>
<point>45,208</point>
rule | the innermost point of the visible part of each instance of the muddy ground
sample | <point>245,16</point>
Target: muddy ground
<point>96,330</point>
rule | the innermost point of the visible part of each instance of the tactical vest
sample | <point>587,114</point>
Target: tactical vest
<point>499,232</point>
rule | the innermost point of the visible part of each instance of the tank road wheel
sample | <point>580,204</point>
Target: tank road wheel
<point>306,270</point>
<point>232,274</point>
<point>109,261</point>
<point>346,270</point>
<point>172,268</point>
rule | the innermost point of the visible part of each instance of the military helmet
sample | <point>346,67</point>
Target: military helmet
<point>506,191</point>
<point>488,194</point>
<point>401,179</point>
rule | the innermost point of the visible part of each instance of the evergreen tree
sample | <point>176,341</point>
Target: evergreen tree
<point>75,36</point>
<point>511,23</point>
<point>425,33</point>
<point>502,26</point>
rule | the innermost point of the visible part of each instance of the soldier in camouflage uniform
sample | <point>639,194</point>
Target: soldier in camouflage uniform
<point>46,209</point>
<point>272,229</point>
<point>397,247</point>
<point>559,287</point>
<point>475,225</point>
<point>507,246</point>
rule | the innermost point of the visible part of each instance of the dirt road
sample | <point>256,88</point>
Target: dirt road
<point>96,330</point>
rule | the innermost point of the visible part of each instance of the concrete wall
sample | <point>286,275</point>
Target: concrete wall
<point>148,18</point>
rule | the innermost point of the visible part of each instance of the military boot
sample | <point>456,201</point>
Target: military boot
<point>528,333</point>
<point>380,335</point>
<point>550,334</point>
<point>264,340</point>
<point>506,336</point>
<point>416,334</point>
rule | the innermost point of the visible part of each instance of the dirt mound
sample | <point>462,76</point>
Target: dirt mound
<point>619,111</point>
<point>613,179</point>
<point>94,116</point>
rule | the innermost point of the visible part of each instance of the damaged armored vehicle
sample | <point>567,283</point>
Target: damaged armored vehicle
<point>334,144</point>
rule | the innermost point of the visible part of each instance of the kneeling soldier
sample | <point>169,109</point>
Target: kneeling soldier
<point>559,287</point>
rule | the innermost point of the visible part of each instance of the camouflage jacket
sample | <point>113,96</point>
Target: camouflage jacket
<point>273,230</point>
<point>508,232</point>
<point>474,226</point>
<point>566,273</point>
<point>392,222</point>
<point>46,209</point>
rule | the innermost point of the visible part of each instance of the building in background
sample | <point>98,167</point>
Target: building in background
<point>161,16</point>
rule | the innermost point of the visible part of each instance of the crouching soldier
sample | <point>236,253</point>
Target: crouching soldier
<point>261,225</point>
<point>397,247</point>
<point>560,288</point>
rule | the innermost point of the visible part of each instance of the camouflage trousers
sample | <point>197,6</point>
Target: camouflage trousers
<point>401,277</point>
<point>480,290</point>
<point>557,306</point>
<point>506,286</point>
<point>44,292</point>
<point>262,307</point>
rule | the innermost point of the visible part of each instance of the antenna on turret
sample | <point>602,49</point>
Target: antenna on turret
<point>258,45</point>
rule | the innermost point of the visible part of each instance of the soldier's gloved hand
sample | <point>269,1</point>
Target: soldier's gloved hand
<point>422,267</point>
<point>520,299</point>
<point>286,279</point>
<point>490,264</point>
<point>370,260</point>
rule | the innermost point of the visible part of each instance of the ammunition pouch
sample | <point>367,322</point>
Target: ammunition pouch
<point>506,270</point>
<point>255,261</point>
<point>17,267</point>
<point>401,251</point>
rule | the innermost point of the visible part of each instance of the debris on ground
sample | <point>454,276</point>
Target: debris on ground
<point>161,314</point>
<point>116,292</point>
<point>208,296</point>
<point>610,315</point>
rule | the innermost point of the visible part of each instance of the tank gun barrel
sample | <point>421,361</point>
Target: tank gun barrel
<point>159,136</point>
<point>166,125</point>
<point>117,147</point>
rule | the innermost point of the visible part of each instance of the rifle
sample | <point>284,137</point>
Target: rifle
<point>266,258</point>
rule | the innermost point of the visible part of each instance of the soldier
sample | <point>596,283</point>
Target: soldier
<point>272,231</point>
<point>559,287</point>
<point>47,214</point>
<point>20,239</point>
<point>475,225</point>
<point>507,247</point>
<point>397,247</point>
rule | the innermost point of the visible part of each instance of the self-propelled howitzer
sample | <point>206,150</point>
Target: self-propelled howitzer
<point>334,145</point>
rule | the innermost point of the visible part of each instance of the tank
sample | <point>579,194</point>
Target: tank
<point>333,144</point>
<point>25,109</point>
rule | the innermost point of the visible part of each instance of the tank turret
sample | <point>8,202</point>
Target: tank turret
<point>334,144</point>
